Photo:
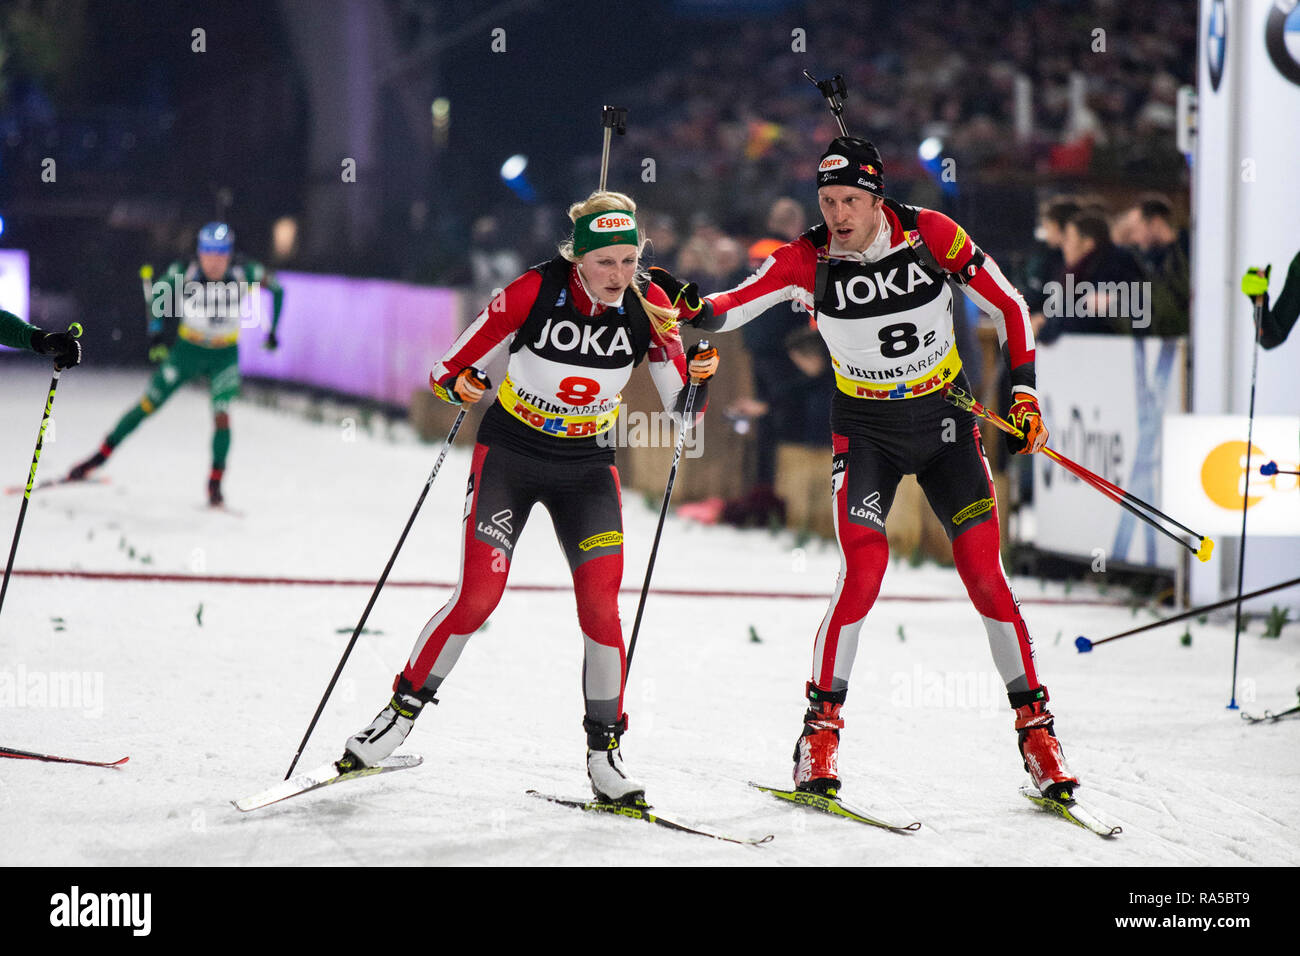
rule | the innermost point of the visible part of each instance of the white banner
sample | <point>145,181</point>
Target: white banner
<point>1103,398</point>
<point>1205,474</point>
<point>1244,195</point>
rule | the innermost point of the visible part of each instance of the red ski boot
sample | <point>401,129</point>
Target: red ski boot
<point>816,753</point>
<point>1038,744</point>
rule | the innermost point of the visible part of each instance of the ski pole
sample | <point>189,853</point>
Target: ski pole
<point>1124,499</point>
<point>611,118</point>
<point>1245,497</point>
<point>1268,469</point>
<point>75,329</point>
<point>1084,645</point>
<point>446,446</point>
<point>663,513</point>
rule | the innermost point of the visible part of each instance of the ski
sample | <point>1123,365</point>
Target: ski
<point>51,758</point>
<point>55,482</point>
<point>221,510</point>
<point>327,774</point>
<point>1269,716</point>
<point>833,805</point>
<point>641,811</point>
<point>1069,808</point>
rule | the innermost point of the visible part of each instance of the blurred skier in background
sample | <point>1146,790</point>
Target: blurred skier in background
<point>211,298</point>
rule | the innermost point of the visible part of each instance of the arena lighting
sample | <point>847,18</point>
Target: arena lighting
<point>512,174</point>
<point>514,167</point>
<point>930,152</point>
<point>441,110</point>
<point>2,225</point>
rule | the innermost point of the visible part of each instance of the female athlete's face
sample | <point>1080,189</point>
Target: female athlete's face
<point>608,271</point>
<point>851,214</point>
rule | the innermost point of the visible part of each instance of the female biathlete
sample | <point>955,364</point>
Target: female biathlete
<point>575,327</point>
<point>877,276</point>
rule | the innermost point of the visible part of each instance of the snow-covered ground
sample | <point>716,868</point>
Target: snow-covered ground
<point>208,687</point>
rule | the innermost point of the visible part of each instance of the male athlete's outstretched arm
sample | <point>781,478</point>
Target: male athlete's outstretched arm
<point>670,368</point>
<point>788,273</point>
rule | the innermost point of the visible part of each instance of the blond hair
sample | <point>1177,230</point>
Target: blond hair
<point>608,201</point>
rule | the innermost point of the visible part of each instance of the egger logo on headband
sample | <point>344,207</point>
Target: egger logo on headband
<point>613,222</point>
<point>832,162</point>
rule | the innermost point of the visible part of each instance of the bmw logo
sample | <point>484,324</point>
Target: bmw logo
<point>1282,38</point>
<point>1216,42</point>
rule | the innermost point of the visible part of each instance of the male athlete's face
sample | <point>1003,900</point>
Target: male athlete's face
<point>214,264</point>
<point>852,215</point>
<point>608,271</point>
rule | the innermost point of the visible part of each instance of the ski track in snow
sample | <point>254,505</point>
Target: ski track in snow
<point>210,707</point>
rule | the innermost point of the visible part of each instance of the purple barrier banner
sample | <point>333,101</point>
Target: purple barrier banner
<point>14,289</point>
<point>366,337</point>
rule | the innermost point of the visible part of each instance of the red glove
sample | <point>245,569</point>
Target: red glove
<point>1026,416</point>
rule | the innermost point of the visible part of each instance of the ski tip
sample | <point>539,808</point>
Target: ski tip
<point>1083,644</point>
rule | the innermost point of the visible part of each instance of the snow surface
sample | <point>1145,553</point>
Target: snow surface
<point>210,706</point>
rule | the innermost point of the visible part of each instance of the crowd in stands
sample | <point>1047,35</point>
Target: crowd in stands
<point>731,126</point>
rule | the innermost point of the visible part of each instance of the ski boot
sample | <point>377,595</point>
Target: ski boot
<point>215,498</point>
<point>816,752</point>
<point>1044,760</point>
<point>388,730</point>
<point>82,471</point>
<point>605,770</point>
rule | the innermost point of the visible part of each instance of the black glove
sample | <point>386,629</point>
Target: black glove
<point>158,347</point>
<point>271,343</point>
<point>65,349</point>
<point>682,296</point>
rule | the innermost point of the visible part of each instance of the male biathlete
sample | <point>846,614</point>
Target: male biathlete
<point>210,296</point>
<point>877,278</point>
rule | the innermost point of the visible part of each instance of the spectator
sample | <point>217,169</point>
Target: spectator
<point>1045,261</point>
<point>661,230</point>
<point>777,411</point>
<point>1163,255</point>
<point>1080,298</point>
<point>786,219</point>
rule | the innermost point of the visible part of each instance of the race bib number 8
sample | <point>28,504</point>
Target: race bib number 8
<point>898,340</point>
<point>576,390</point>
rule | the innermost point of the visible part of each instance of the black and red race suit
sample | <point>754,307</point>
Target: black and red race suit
<point>544,439</point>
<point>886,315</point>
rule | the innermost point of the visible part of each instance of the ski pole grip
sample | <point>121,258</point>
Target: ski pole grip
<point>701,346</point>
<point>479,378</point>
